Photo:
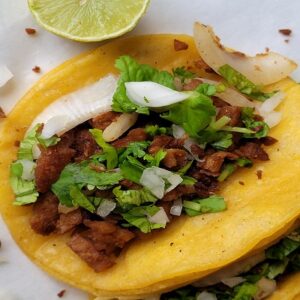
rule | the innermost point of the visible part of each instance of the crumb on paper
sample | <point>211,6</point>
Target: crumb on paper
<point>285,31</point>
<point>61,293</point>
<point>267,49</point>
<point>179,45</point>
<point>259,174</point>
<point>2,113</point>
<point>36,69</point>
<point>286,41</point>
<point>30,31</point>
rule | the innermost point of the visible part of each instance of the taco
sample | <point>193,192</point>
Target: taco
<point>91,178</point>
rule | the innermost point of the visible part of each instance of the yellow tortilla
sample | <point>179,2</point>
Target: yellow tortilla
<point>259,212</point>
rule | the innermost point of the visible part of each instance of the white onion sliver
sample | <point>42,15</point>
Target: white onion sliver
<point>81,105</point>
<point>273,118</point>
<point>36,151</point>
<point>262,69</point>
<point>187,145</point>
<point>5,75</point>
<point>54,125</point>
<point>159,218</point>
<point>206,296</point>
<point>176,208</point>
<point>152,94</point>
<point>154,179</point>
<point>233,281</point>
<point>270,104</point>
<point>178,131</point>
<point>265,288</point>
<point>28,169</point>
<point>106,207</point>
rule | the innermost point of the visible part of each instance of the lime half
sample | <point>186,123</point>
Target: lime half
<point>88,20</point>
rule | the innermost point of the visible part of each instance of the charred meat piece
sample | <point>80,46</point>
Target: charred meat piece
<point>233,112</point>
<point>175,158</point>
<point>134,135</point>
<point>85,145</point>
<point>179,191</point>
<point>104,120</point>
<point>219,102</point>
<point>192,84</point>
<point>45,214</point>
<point>100,244</point>
<point>212,163</point>
<point>159,142</point>
<point>68,221</point>
<point>51,163</point>
<point>253,151</point>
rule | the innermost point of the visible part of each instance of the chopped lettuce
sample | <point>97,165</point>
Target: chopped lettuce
<point>82,175</point>
<point>260,128</point>
<point>24,190</point>
<point>202,206</point>
<point>138,217</point>
<point>79,199</point>
<point>131,70</point>
<point>227,170</point>
<point>133,197</point>
<point>284,248</point>
<point>243,84</point>
<point>182,73</point>
<point>245,291</point>
<point>108,150</point>
<point>154,160</point>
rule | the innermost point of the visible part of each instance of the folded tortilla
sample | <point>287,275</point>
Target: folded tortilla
<point>259,212</point>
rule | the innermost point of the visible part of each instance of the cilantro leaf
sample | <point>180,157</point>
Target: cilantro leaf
<point>137,149</point>
<point>24,190</point>
<point>131,70</point>
<point>133,197</point>
<point>201,206</point>
<point>243,84</point>
<point>154,160</point>
<point>82,175</point>
<point>79,199</point>
<point>182,73</point>
<point>153,130</point>
<point>108,150</point>
<point>138,217</point>
<point>131,170</point>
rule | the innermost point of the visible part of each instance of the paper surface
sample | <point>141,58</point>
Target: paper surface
<point>248,26</point>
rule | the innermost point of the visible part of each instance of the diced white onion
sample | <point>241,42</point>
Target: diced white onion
<point>270,104</point>
<point>118,127</point>
<point>176,208</point>
<point>62,209</point>
<point>262,69</point>
<point>233,281</point>
<point>265,288</point>
<point>28,169</point>
<point>152,94</point>
<point>36,152</point>
<point>159,218</point>
<point>273,118</point>
<point>5,75</point>
<point>154,179</point>
<point>206,296</point>
<point>79,106</point>
<point>178,131</point>
<point>106,207</point>
<point>188,144</point>
<point>54,125</point>
<point>230,95</point>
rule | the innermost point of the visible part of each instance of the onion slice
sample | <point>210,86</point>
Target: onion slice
<point>206,296</point>
<point>77,107</point>
<point>106,207</point>
<point>5,75</point>
<point>262,69</point>
<point>176,208</point>
<point>152,94</point>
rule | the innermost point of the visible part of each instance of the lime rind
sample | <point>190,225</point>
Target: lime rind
<point>88,20</point>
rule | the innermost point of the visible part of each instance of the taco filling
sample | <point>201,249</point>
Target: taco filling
<point>161,151</point>
<point>254,278</point>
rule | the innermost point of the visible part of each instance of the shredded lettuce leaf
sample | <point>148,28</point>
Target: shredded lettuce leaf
<point>154,160</point>
<point>133,197</point>
<point>79,199</point>
<point>243,84</point>
<point>138,217</point>
<point>201,206</point>
<point>245,291</point>
<point>81,175</point>
<point>131,70</point>
<point>108,150</point>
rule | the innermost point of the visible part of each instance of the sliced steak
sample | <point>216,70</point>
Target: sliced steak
<point>51,162</point>
<point>68,221</point>
<point>192,84</point>
<point>100,244</point>
<point>233,112</point>
<point>134,135</point>
<point>179,191</point>
<point>85,145</point>
<point>104,120</point>
<point>159,142</point>
<point>45,214</point>
<point>175,158</point>
<point>253,151</point>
